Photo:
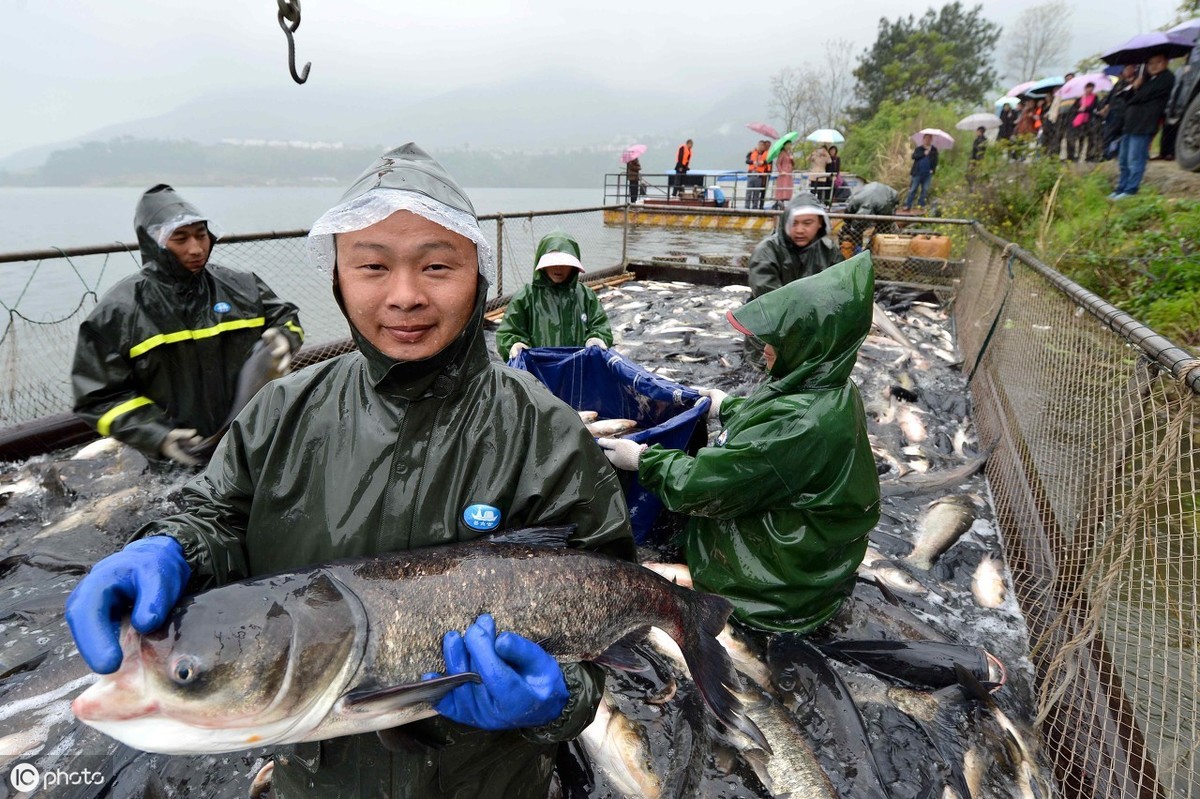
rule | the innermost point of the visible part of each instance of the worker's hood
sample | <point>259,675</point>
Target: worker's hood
<point>159,213</point>
<point>803,203</point>
<point>816,324</point>
<point>403,179</point>
<point>557,248</point>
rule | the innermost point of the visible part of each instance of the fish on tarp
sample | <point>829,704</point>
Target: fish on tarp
<point>788,767</point>
<point>987,583</point>
<point>260,368</point>
<point>811,688</point>
<point>588,416</point>
<point>916,483</point>
<point>939,527</point>
<point>925,664</point>
<point>1030,782</point>
<point>606,428</point>
<point>617,747</point>
<point>340,649</point>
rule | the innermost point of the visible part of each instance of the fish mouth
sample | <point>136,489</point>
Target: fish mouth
<point>122,695</point>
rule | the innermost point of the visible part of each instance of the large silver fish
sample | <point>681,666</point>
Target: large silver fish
<point>940,526</point>
<point>341,648</point>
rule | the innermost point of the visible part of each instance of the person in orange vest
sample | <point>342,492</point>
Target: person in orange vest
<point>757,167</point>
<point>683,162</point>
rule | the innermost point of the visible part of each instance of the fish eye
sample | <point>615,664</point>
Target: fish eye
<point>184,670</point>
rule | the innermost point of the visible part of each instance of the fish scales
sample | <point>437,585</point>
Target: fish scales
<point>342,648</point>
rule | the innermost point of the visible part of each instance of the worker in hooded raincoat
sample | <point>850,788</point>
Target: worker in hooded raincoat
<point>379,450</point>
<point>871,199</point>
<point>157,360</point>
<point>782,503</point>
<point>800,246</point>
<point>554,309</point>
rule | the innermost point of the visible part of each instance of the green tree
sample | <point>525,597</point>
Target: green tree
<point>944,56</point>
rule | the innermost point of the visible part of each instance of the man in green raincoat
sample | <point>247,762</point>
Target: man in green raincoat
<point>387,448</point>
<point>782,504</point>
<point>799,247</point>
<point>554,309</point>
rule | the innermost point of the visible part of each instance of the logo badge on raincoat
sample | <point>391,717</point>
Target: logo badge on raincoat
<point>482,517</point>
<point>222,307</point>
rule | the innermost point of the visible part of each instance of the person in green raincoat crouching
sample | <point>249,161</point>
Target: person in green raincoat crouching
<point>782,503</point>
<point>554,309</point>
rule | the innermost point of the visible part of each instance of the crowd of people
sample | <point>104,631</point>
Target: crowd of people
<point>1101,124</point>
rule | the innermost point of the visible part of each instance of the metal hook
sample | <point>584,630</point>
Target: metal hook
<point>289,21</point>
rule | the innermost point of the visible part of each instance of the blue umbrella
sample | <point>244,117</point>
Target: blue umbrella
<point>1044,86</point>
<point>1139,49</point>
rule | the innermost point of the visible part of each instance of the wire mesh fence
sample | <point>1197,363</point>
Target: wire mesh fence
<point>1093,471</point>
<point>1094,480</point>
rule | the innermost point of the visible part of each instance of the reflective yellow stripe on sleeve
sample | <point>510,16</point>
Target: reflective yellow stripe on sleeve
<point>295,328</point>
<point>184,335</point>
<point>104,426</point>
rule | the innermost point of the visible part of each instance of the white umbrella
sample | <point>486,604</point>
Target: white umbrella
<point>941,139</point>
<point>980,120</point>
<point>825,136</point>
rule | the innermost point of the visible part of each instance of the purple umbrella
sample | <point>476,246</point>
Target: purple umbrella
<point>1187,31</point>
<point>1139,49</point>
<point>1020,88</point>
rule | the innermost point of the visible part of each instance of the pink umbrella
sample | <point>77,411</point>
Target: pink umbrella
<point>1020,88</point>
<point>1074,87</point>
<point>764,129</point>
<point>941,139</point>
<point>631,152</point>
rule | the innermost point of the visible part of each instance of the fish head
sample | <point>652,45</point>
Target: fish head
<point>243,666</point>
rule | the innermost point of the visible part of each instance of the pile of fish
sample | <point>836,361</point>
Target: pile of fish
<point>920,688</point>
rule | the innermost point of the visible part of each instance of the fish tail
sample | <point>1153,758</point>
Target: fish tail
<point>702,617</point>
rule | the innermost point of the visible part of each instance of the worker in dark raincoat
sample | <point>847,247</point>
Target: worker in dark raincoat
<point>781,505</point>
<point>800,246</point>
<point>872,199</point>
<point>157,360</point>
<point>386,449</point>
<point>554,309</point>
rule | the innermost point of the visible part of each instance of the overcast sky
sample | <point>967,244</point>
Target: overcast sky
<point>71,67</point>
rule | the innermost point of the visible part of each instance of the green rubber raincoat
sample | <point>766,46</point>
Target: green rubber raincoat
<point>782,505</point>
<point>548,314</point>
<point>361,455</point>
<point>163,348</point>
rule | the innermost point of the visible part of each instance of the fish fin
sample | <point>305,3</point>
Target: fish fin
<point>709,663</point>
<point>535,536</point>
<point>951,767</point>
<point>397,696</point>
<point>626,654</point>
<point>974,687</point>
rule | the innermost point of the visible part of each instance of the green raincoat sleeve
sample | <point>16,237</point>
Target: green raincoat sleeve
<point>598,326</point>
<point>517,324</point>
<point>762,469</point>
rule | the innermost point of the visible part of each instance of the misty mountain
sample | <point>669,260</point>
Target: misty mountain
<point>549,112</point>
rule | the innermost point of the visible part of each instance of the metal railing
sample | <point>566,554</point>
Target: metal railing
<point>700,188</point>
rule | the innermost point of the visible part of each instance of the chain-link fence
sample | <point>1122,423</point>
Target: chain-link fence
<point>1094,476</point>
<point>1092,418</point>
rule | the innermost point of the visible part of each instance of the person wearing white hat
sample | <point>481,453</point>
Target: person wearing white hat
<point>554,309</point>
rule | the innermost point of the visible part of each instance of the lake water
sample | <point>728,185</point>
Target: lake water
<point>76,216</point>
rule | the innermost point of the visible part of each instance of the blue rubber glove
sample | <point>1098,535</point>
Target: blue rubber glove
<point>148,575</point>
<point>522,685</point>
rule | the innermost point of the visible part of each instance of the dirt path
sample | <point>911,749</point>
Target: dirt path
<point>1167,177</point>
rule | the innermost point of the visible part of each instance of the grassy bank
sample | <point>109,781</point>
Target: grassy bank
<point>1142,254</point>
